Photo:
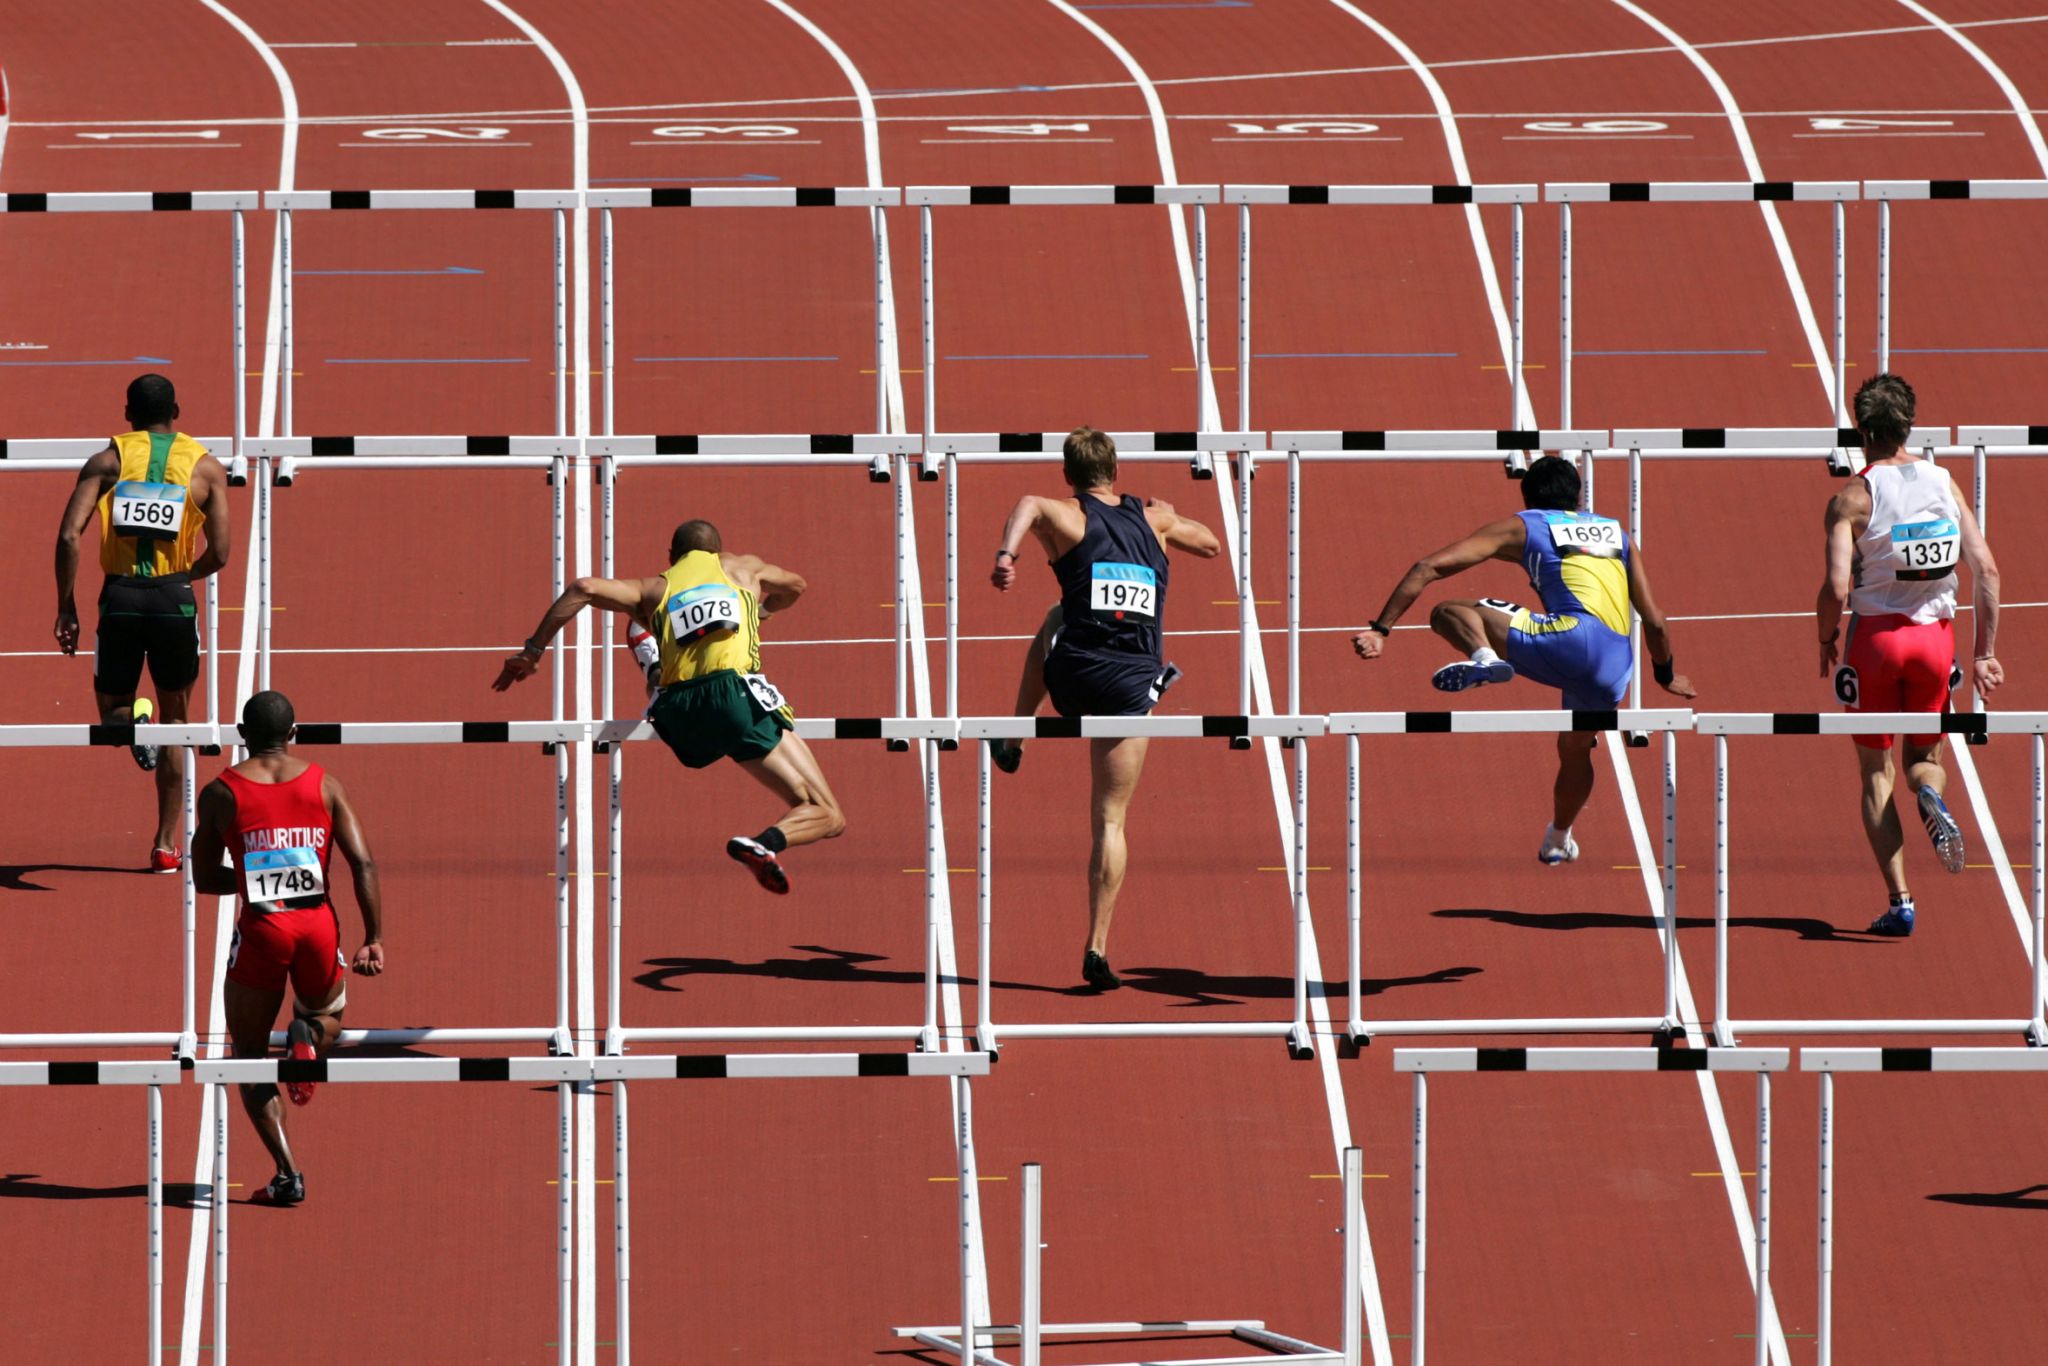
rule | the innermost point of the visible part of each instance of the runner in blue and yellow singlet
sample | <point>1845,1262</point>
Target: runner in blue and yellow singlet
<point>1587,575</point>
<point>704,613</point>
<point>156,492</point>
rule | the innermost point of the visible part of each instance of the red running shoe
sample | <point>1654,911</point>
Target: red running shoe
<point>165,860</point>
<point>299,1048</point>
<point>759,860</point>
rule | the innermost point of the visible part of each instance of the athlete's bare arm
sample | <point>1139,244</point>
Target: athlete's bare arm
<point>1502,540</point>
<point>355,847</point>
<point>210,483</point>
<point>776,589</point>
<point>636,598</point>
<point>1656,631</point>
<point>1057,523</point>
<point>94,478</point>
<point>1848,513</point>
<point>1985,670</point>
<point>1184,534</point>
<point>212,873</point>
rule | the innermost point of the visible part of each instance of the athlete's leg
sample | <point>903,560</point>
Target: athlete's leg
<point>1471,626</point>
<point>1923,767</point>
<point>791,771</point>
<point>1574,777</point>
<point>1031,690</point>
<point>173,707</point>
<point>250,1011</point>
<point>1881,816</point>
<point>1114,766</point>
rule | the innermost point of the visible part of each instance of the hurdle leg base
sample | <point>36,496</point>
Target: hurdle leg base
<point>1637,739</point>
<point>985,1040</point>
<point>1301,1045</point>
<point>1240,742</point>
<point>186,1049</point>
<point>560,1044</point>
<point>2037,1034</point>
<point>897,746</point>
<point>614,1043</point>
<point>928,1040</point>
<point>1724,1037</point>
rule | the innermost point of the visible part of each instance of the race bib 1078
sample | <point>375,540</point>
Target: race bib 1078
<point>1123,589</point>
<point>143,509</point>
<point>1574,534</point>
<point>282,874</point>
<point>707,609</point>
<point>1926,550</point>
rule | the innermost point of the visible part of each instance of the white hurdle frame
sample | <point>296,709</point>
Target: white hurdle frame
<point>1352,725</point>
<point>1423,1061</point>
<point>2033,1025</point>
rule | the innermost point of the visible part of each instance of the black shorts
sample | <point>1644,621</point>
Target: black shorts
<point>146,619</point>
<point>1102,685</point>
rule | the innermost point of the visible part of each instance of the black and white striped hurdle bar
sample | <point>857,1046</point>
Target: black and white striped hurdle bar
<point>870,449</point>
<point>1163,445</point>
<point>1955,189</point>
<point>708,1067</point>
<point>1503,722</point>
<point>1872,723</point>
<point>946,196</point>
<point>169,1073</point>
<point>1435,443</point>
<point>319,200</point>
<point>1701,191</point>
<point>1795,440</point>
<point>1923,1059</point>
<point>746,197</point>
<point>454,732</point>
<point>1592,1059</point>
<point>1380,194</point>
<point>2033,435</point>
<point>1132,727</point>
<point>309,446</point>
<point>130,201</point>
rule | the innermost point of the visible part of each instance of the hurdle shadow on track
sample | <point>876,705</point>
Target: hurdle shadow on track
<point>30,1186</point>
<point>14,877</point>
<point>2026,1197</point>
<point>1806,927</point>
<point>1191,986</point>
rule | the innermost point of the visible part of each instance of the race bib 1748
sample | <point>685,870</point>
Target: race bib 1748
<point>1124,589</point>
<point>707,609</point>
<point>1926,550</point>
<point>141,509</point>
<point>282,874</point>
<point>1573,534</point>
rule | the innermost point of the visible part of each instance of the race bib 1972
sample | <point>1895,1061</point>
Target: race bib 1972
<point>707,609</point>
<point>1585,535</point>
<point>282,874</point>
<point>1926,550</point>
<point>143,509</point>
<point>1127,589</point>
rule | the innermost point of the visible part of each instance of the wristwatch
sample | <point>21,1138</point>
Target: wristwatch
<point>1378,629</point>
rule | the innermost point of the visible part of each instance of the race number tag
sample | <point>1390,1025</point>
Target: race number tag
<point>1580,535</point>
<point>141,509</point>
<point>1123,589</point>
<point>765,693</point>
<point>1926,550</point>
<point>708,609</point>
<point>282,874</point>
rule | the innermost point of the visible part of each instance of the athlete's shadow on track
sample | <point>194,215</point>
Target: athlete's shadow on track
<point>29,1186</point>
<point>2026,1197</point>
<point>14,877</point>
<point>1192,987</point>
<point>1806,927</point>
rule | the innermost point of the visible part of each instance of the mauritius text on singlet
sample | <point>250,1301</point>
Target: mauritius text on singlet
<point>283,840</point>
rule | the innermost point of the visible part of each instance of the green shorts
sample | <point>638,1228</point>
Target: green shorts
<point>716,717</point>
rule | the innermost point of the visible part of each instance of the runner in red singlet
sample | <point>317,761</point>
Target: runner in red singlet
<point>279,818</point>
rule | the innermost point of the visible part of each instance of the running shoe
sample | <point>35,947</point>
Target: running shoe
<point>1895,923</point>
<point>299,1048</point>
<point>282,1191</point>
<point>1558,847</point>
<point>145,755</point>
<point>1007,754</point>
<point>647,655</point>
<point>1095,972</point>
<point>1942,829</point>
<point>1468,673</point>
<point>165,860</point>
<point>759,860</point>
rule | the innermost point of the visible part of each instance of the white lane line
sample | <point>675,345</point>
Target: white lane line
<point>1262,692</point>
<point>953,1033</point>
<point>2028,125</point>
<point>245,675</point>
<point>1823,364</point>
<point>582,759</point>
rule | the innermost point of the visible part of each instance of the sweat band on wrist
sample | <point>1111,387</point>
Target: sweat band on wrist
<point>1663,670</point>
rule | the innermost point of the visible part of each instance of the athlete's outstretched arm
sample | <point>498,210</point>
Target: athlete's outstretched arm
<point>1025,519</point>
<point>1184,534</point>
<point>212,873</point>
<point>219,539</point>
<point>1845,510</point>
<point>355,847</point>
<point>776,588</point>
<point>93,478</point>
<point>1985,670</point>
<point>1656,631</point>
<point>637,598</point>
<point>1496,540</point>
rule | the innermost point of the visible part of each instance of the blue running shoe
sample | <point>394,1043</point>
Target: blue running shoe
<point>1896,923</point>
<point>1468,673</point>
<point>1942,829</point>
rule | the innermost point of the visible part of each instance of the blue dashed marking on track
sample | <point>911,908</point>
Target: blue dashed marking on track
<point>426,360</point>
<point>1049,357</point>
<point>1710,351</point>
<point>132,360</point>
<point>1358,355</point>
<point>439,270</point>
<point>662,360</point>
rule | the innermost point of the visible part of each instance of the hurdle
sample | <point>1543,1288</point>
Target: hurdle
<point>1353,725</point>
<point>2032,1025</point>
<point>1829,1061</point>
<point>1030,1330</point>
<point>1761,1061</point>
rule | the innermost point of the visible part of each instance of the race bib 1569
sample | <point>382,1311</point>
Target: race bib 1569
<point>282,874</point>
<point>1125,589</point>
<point>707,609</point>
<point>1926,550</point>
<point>1573,534</point>
<point>141,509</point>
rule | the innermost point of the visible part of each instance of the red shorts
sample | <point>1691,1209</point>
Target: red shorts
<point>1895,665</point>
<point>304,946</point>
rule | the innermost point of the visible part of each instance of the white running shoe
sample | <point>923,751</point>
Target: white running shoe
<point>1558,847</point>
<point>1470,673</point>
<point>1942,829</point>
<point>646,654</point>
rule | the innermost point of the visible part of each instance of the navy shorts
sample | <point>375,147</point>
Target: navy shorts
<point>1102,685</point>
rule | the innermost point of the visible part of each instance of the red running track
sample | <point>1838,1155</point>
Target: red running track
<point>1180,1175</point>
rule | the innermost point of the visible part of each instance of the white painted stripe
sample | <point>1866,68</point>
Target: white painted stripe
<point>2028,124</point>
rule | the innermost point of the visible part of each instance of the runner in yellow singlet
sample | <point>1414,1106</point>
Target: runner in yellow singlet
<point>155,490</point>
<point>705,613</point>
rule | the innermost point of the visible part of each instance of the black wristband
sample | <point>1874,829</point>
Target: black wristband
<point>1011,553</point>
<point>1378,629</point>
<point>1663,670</point>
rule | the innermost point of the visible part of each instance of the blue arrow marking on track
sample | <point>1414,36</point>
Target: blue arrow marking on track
<point>132,360</point>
